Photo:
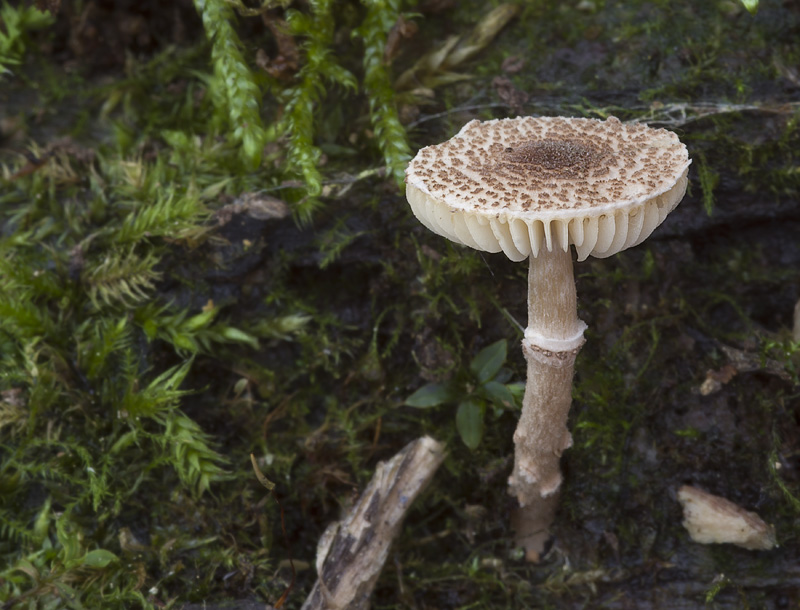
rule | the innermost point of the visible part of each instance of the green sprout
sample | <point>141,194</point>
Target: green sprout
<point>751,6</point>
<point>473,390</point>
<point>16,23</point>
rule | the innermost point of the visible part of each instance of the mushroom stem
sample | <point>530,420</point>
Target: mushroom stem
<point>552,341</point>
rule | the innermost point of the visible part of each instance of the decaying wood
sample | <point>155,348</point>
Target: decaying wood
<point>711,519</point>
<point>352,553</point>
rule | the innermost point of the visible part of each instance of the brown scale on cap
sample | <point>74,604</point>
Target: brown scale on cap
<point>559,157</point>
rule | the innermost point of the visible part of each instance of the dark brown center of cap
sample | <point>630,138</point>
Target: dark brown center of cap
<point>556,156</point>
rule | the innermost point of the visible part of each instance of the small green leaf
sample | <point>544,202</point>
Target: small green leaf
<point>238,336</point>
<point>504,375</point>
<point>69,539</point>
<point>260,475</point>
<point>430,395</point>
<point>123,442</point>
<point>42,524</point>
<point>99,558</point>
<point>200,320</point>
<point>498,394</point>
<point>517,390</point>
<point>184,342</point>
<point>489,361</point>
<point>469,422</point>
<point>150,328</point>
<point>751,6</point>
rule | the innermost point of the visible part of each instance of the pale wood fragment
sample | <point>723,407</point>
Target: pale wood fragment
<point>351,558</point>
<point>711,519</point>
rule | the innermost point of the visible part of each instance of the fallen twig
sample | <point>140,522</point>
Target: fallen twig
<point>351,553</point>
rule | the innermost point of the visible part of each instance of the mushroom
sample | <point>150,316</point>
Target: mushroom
<point>531,187</point>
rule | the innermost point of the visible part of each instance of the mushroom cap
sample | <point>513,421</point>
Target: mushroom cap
<point>520,185</point>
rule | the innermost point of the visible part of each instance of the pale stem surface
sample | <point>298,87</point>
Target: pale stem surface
<point>552,341</point>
